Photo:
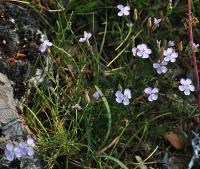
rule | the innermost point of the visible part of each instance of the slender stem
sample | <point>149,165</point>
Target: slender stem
<point>194,59</point>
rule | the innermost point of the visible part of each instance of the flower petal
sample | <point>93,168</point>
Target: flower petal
<point>82,40</point>
<point>23,148</point>
<point>30,151</point>
<point>156,65</point>
<point>10,146</point>
<point>183,81</point>
<point>127,93</point>
<point>145,56</point>
<point>120,7</point>
<point>9,155</point>
<point>148,90</point>
<point>126,13</point>
<point>120,13</point>
<point>148,51</point>
<point>119,96</point>
<point>47,43</point>
<point>174,55</point>
<point>30,142</point>
<point>139,53</point>
<point>169,51</point>
<point>187,92</point>
<point>159,70</point>
<point>134,50</point>
<point>96,95</point>
<point>150,98</point>
<point>164,63</point>
<point>87,35</point>
<point>172,60</point>
<point>155,90</point>
<point>127,8</point>
<point>154,96</point>
<point>188,81</point>
<point>42,48</point>
<point>142,46</point>
<point>17,152</point>
<point>182,88</point>
<point>191,87</point>
<point>164,69</point>
<point>166,59</point>
<point>126,101</point>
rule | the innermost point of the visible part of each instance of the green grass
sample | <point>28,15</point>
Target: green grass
<point>104,134</point>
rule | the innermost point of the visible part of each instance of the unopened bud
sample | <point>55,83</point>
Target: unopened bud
<point>161,53</point>
<point>169,7</point>
<point>180,46</point>
<point>149,22</point>
<point>135,14</point>
<point>87,97</point>
<point>161,14</point>
<point>119,87</point>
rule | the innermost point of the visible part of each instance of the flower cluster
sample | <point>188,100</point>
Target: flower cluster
<point>143,51</point>
<point>23,149</point>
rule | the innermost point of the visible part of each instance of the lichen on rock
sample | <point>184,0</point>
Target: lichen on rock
<point>21,29</point>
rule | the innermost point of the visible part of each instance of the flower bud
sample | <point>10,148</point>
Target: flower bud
<point>161,14</point>
<point>169,7</point>
<point>149,22</point>
<point>180,46</point>
<point>119,87</point>
<point>87,97</point>
<point>161,52</point>
<point>135,14</point>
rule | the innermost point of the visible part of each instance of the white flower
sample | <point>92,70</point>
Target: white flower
<point>170,55</point>
<point>186,86</point>
<point>195,46</point>
<point>141,51</point>
<point>156,21</point>
<point>171,43</point>
<point>124,10</point>
<point>44,45</point>
<point>153,93</point>
<point>96,95</point>
<point>87,35</point>
<point>160,67</point>
<point>123,98</point>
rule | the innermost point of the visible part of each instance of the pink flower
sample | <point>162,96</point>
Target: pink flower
<point>87,35</point>
<point>123,98</point>
<point>186,86</point>
<point>153,93</point>
<point>124,10</point>
<point>141,51</point>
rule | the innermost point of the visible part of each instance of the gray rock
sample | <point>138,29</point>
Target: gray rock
<point>10,124</point>
<point>21,29</point>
